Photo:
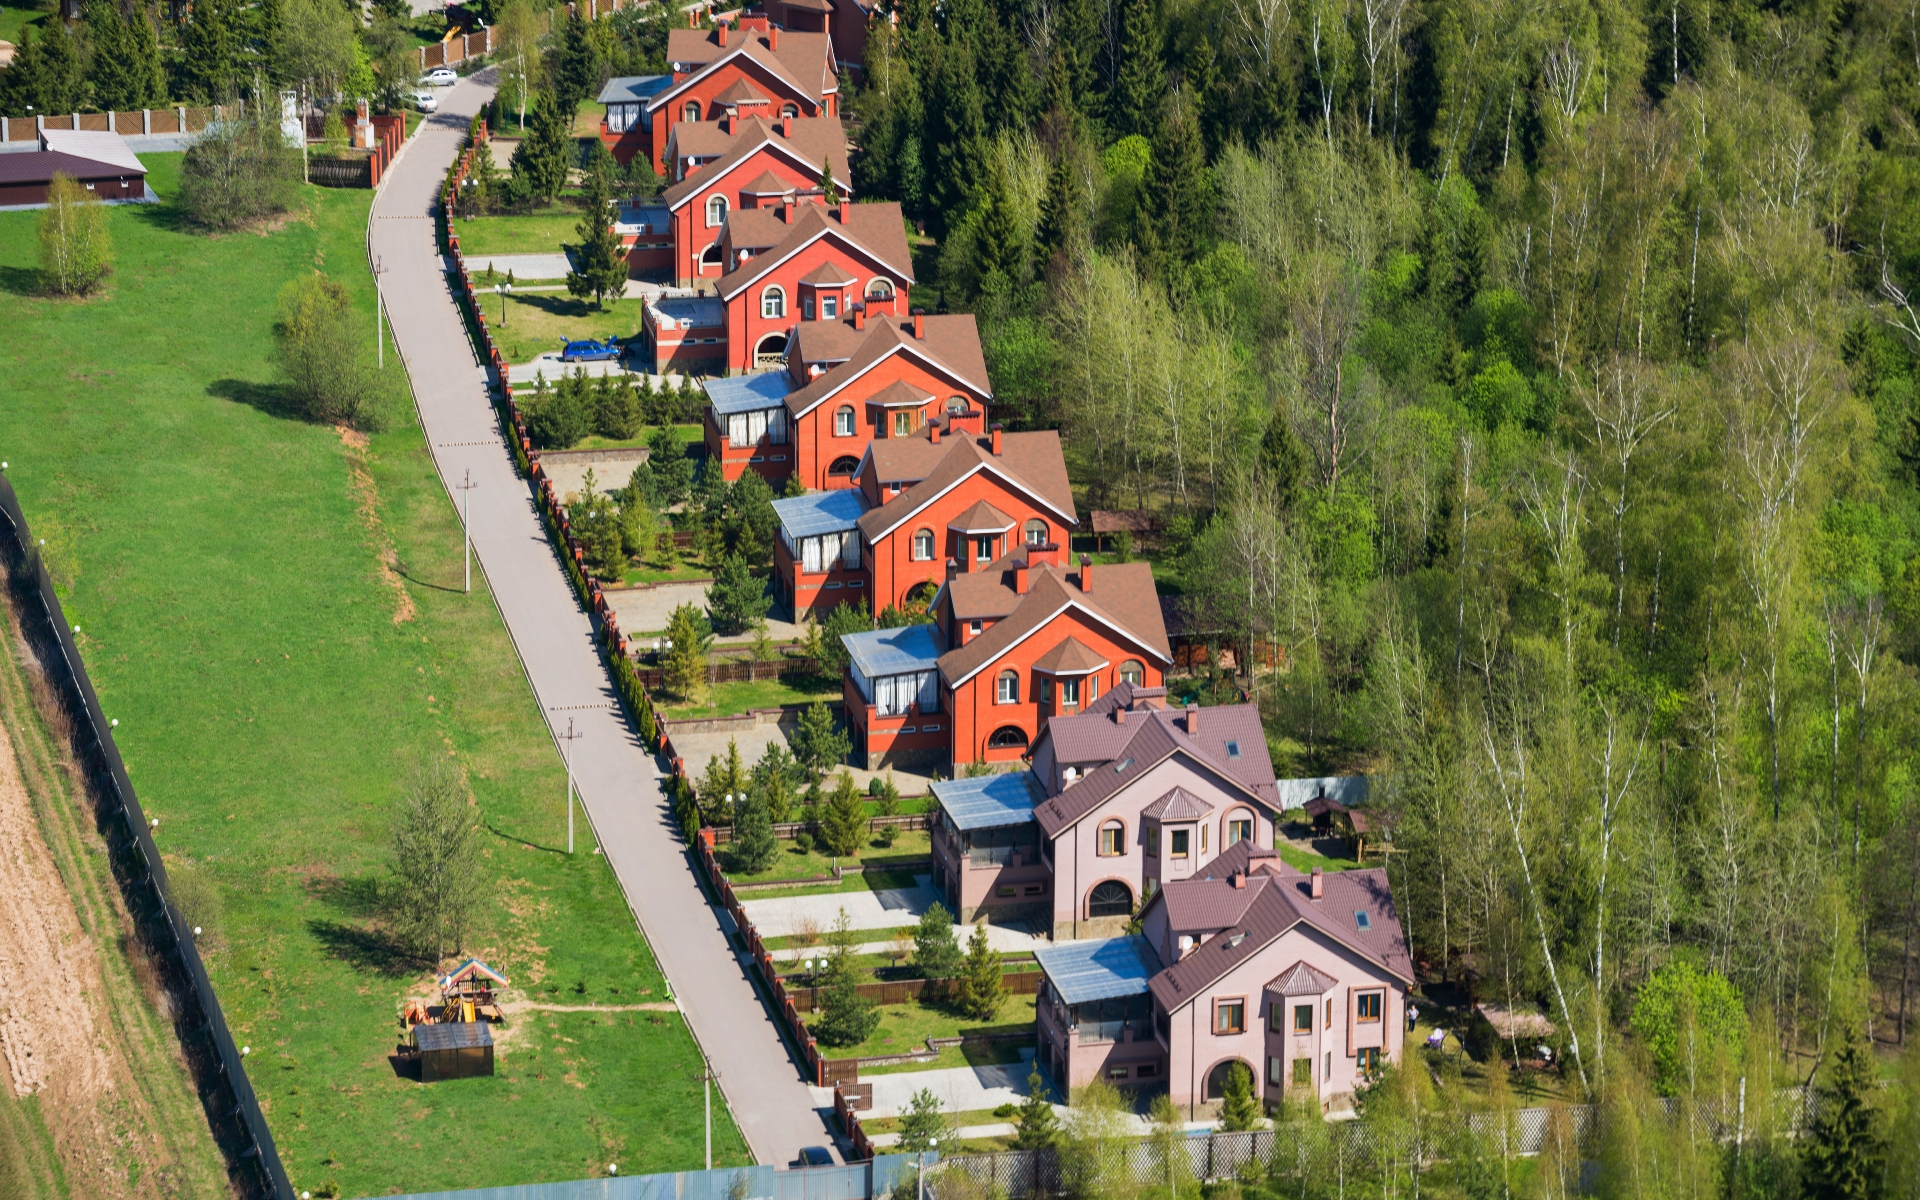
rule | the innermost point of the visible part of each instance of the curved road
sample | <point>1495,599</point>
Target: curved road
<point>618,779</point>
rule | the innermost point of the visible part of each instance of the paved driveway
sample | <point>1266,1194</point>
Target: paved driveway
<point>523,266</point>
<point>644,610</point>
<point>618,779</point>
<point>866,910</point>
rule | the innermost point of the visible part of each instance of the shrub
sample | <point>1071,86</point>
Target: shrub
<point>1683,1013</point>
<point>321,356</point>
<point>556,416</point>
<point>238,172</point>
<point>76,252</point>
<point>804,841</point>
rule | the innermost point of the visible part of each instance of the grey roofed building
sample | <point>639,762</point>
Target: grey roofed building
<point>631,89</point>
<point>818,513</point>
<point>988,801</point>
<point>747,393</point>
<point>1099,969</point>
<point>895,651</point>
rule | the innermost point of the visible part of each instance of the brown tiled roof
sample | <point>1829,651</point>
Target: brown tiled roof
<point>741,92</point>
<point>876,229</point>
<point>1071,657</point>
<point>814,139</point>
<point>1207,904</point>
<point>1031,462</point>
<point>39,166</point>
<point>1281,906</point>
<point>1148,736</point>
<point>981,518</point>
<point>1302,979</point>
<point>951,346</point>
<point>1177,805</point>
<point>899,392</point>
<point>803,62</point>
<point>757,229</point>
<point>829,274</point>
<point>826,341</point>
<point>766,183</point>
<point>1125,603</point>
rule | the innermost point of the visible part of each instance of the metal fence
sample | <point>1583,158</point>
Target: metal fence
<point>857,1181</point>
<point>239,1129</point>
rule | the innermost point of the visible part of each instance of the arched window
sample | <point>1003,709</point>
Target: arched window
<point>1132,672</point>
<point>1036,533</point>
<point>710,257</point>
<point>1006,689</point>
<point>789,109</point>
<point>1110,899</point>
<point>957,404</point>
<point>716,211</point>
<point>691,111</point>
<point>880,290</point>
<point>846,464</point>
<point>1217,1078</point>
<point>1007,737</point>
<point>1113,839</point>
<point>1239,828</point>
<point>922,545</point>
<point>773,303</point>
<point>843,421</point>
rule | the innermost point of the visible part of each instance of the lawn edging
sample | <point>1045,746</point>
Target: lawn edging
<point>233,1111</point>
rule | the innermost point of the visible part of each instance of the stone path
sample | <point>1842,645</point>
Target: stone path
<point>618,779</point>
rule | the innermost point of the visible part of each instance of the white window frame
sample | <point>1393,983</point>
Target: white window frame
<point>1006,688</point>
<point>843,424</point>
<point>773,303</point>
<point>1037,527</point>
<point>923,545</point>
<point>747,428</point>
<point>690,111</point>
<point>716,211</point>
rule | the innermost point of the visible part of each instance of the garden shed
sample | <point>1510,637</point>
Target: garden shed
<point>453,1050</point>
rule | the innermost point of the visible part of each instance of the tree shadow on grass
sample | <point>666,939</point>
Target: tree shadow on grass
<point>560,306</point>
<point>169,216</point>
<point>269,398</point>
<point>359,940</point>
<point>21,281</point>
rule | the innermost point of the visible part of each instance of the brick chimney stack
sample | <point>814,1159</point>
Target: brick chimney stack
<point>1020,575</point>
<point>933,427</point>
<point>843,210</point>
<point>996,441</point>
<point>1240,881</point>
<point>1317,887</point>
<point>860,316</point>
<point>919,324</point>
<point>953,570</point>
<point>720,31</point>
<point>773,37</point>
<point>1086,565</point>
<point>786,208</point>
<point>1193,720</point>
<point>1120,715</point>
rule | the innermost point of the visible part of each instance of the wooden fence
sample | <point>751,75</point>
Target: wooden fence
<point>146,122</point>
<point>655,678</point>
<point>364,168</point>
<point>457,49</point>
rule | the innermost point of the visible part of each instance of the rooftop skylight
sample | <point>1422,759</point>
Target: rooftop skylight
<point>1362,920</point>
<point>1233,749</point>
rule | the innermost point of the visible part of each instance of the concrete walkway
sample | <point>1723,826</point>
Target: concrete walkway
<point>524,266</point>
<point>618,779</point>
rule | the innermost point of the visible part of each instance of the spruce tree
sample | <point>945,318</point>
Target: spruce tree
<point>575,66</point>
<point>847,1018</point>
<point>540,163</point>
<point>957,133</point>
<point>1063,208</point>
<point>816,743</point>
<point>1239,1109</point>
<point>983,989</point>
<point>736,598</point>
<point>684,660</point>
<point>1844,1149</point>
<point>723,777</point>
<point>923,1124</point>
<point>600,261</point>
<point>45,75</point>
<point>1036,1128</point>
<point>1173,216</point>
<point>829,187</point>
<point>844,822</point>
<point>936,953</point>
<point>210,51</point>
<point>774,777</point>
<point>1134,103</point>
<point>111,70</point>
<point>754,847</point>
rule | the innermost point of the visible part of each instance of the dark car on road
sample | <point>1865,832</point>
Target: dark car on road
<point>814,1156</point>
<point>590,351</point>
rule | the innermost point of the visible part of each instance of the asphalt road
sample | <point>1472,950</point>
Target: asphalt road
<point>618,779</point>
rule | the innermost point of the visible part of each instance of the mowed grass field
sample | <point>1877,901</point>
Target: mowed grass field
<point>274,617</point>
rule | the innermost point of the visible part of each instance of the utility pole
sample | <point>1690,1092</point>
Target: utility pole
<point>466,541</point>
<point>568,737</point>
<point>379,338</point>
<point>707,1077</point>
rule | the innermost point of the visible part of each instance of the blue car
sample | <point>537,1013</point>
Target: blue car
<point>590,351</point>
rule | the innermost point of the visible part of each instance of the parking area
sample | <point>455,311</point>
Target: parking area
<point>643,611</point>
<point>697,748</point>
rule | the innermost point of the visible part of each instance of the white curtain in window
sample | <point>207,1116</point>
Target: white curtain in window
<point>850,549</point>
<point>746,429</point>
<point>929,692</point>
<point>810,555</point>
<point>883,695</point>
<point>777,426</point>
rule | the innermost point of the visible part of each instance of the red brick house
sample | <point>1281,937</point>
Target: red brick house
<point>802,262</point>
<point>1011,646</point>
<point>743,163</point>
<point>754,70</point>
<point>844,20</point>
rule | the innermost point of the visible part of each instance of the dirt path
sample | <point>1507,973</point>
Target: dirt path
<point>106,1092</point>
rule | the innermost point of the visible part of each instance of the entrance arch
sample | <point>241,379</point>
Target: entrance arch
<point>770,351</point>
<point>1217,1077</point>
<point>1110,899</point>
<point>1007,737</point>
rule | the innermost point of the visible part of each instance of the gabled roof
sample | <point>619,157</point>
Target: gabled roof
<point>741,92</point>
<point>766,183</point>
<point>1177,805</point>
<point>981,518</point>
<point>873,230</point>
<point>950,348</point>
<point>1125,604</point>
<point>899,393</point>
<point>1148,736</point>
<point>1281,905</point>
<point>98,145</point>
<point>1302,979</point>
<point>804,62</point>
<point>829,274</point>
<point>1071,657</point>
<point>1205,904</point>
<point>811,140</point>
<point>1029,463</point>
<point>826,341</point>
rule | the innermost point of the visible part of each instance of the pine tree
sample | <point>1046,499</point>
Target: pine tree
<point>737,598</point>
<point>45,76</point>
<point>936,953</point>
<point>1002,242</point>
<point>684,662</point>
<point>111,71</point>
<point>774,777</point>
<point>844,822</point>
<point>816,743</point>
<point>1175,204</point>
<point>1845,1149</point>
<point>754,847</point>
<point>1063,208</point>
<point>1037,1128</point>
<point>723,778</point>
<point>829,188</point>
<point>540,163</point>
<point>1134,103</point>
<point>210,51</point>
<point>847,1018</point>
<point>957,133</point>
<point>575,66</point>
<point>982,990</point>
<point>1239,1110</point>
<point>600,262</point>
<point>923,1124</point>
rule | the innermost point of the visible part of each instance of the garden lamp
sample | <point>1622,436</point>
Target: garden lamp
<point>920,1167</point>
<point>505,290</point>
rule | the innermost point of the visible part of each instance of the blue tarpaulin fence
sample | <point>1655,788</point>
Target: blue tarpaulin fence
<point>858,1181</point>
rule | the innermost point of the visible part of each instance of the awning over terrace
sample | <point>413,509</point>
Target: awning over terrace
<point>988,801</point>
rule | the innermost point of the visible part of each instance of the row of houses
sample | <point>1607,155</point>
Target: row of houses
<point>1140,834</point>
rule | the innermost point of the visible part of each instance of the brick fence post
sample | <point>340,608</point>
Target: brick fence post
<point>146,120</point>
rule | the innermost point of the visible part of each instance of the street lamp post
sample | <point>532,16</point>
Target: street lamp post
<point>920,1166</point>
<point>505,290</point>
<point>569,735</point>
<point>466,527</point>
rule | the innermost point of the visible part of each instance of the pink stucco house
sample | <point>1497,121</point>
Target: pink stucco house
<point>1301,977</point>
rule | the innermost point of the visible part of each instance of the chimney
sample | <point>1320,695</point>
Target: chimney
<point>720,31</point>
<point>1086,564</point>
<point>860,317</point>
<point>1020,575</point>
<point>773,37</point>
<point>919,324</point>
<point>996,441</point>
<point>953,570</point>
<point>726,122</point>
<point>1316,885</point>
<point>1240,880</point>
<point>933,427</point>
<point>843,210</point>
<point>1119,716</point>
<point>1193,715</point>
<point>786,208</point>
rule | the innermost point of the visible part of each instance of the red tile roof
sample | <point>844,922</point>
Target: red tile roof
<point>804,61</point>
<point>1125,603</point>
<point>875,230</point>
<point>813,139</point>
<point>1028,462</point>
<point>951,348</point>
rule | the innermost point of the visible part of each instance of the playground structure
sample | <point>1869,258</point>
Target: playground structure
<point>452,1040</point>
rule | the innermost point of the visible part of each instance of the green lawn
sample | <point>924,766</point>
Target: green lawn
<point>274,684</point>
<point>681,570</point>
<point>1302,860</point>
<point>790,863</point>
<point>543,232</point>
<point>727,698</point>
<point>904,1027</point>
<point>14,18</point>
<point>990,1054</point>
<point>539,321</point>
<point>867,881</point>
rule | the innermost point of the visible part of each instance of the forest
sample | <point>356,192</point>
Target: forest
<point>1538,381</point>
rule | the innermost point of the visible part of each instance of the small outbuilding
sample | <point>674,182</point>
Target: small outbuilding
<point>453,1050</point>
<point>101,162</point>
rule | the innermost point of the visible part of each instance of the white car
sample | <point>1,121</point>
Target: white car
<point>441,77</point>
<point>426,102</point>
